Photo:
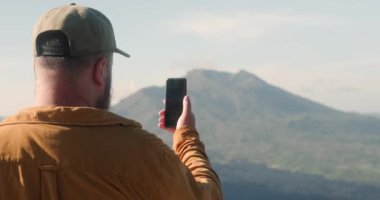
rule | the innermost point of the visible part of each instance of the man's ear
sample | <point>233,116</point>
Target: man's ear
<point>100,71</point>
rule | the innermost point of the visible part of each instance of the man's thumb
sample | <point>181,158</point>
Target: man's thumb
<point>186,104</point>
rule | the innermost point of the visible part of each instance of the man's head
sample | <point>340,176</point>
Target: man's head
<point>73,48</point>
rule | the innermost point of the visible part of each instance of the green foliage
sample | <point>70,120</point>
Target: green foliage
<point>261,182</point>
<point>242,118</point>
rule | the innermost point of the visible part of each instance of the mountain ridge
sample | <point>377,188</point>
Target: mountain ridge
<point>242,118</point>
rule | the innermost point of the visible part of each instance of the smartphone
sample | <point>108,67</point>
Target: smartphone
<point>175,92</point>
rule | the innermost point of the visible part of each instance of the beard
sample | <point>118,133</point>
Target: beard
<point>105,100</point>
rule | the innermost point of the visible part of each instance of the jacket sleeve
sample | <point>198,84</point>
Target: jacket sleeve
<point>191,151</point>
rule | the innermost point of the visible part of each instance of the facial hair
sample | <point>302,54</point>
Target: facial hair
<point>105,100</point>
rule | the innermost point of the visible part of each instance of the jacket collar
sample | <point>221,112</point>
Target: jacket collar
<point>77,116</point>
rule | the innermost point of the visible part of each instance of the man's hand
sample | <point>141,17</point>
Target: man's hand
<point>186,119</point>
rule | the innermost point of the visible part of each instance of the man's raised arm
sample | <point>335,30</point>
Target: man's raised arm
<point>191,151</point>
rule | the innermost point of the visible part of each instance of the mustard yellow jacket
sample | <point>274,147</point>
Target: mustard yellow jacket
<point>68,153</point>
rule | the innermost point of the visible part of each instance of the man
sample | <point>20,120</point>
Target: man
<point>69,147</point>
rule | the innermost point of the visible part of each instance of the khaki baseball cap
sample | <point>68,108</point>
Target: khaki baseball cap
<point>80,31</point>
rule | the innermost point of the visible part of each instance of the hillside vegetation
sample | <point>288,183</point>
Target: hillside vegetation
<point>243,119</point>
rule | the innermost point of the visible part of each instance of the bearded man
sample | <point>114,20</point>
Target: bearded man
<point>68,146</point>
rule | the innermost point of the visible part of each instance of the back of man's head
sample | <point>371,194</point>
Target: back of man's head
<point>69,40</point>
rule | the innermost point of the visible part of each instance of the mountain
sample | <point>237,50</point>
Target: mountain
<point>253,130</point>
<point>377,115</point>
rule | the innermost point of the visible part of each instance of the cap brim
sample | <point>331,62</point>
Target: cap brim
<point>122,53</point>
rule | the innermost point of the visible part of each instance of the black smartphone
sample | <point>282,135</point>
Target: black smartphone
<point>175,92</point>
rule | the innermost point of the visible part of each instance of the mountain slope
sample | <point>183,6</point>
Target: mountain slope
<point>242,118</point>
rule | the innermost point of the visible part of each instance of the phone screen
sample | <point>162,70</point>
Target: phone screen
<point>175,92</point>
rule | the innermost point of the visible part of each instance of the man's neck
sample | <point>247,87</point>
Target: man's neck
<point>54,96</point>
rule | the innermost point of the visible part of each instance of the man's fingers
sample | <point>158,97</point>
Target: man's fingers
<point>161,122</point>
<point>161,113</point>
<point>161,125</point>
<point>186,117</point>
<point>161,119</point>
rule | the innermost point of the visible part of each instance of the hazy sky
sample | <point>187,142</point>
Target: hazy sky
<point>325,50</point>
